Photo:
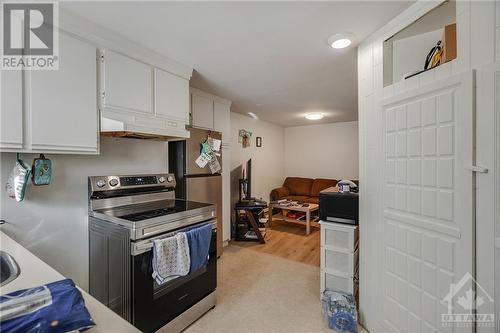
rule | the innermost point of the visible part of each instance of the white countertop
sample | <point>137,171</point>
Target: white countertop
<point>34,272</point>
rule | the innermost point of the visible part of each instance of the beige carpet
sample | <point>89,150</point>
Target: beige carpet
<point>258,292</point>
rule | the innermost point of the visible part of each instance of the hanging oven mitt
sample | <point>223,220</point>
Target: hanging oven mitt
<point>18,180</point>
<point>41,171</point>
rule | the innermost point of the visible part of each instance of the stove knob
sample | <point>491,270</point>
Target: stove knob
<point>170,179</point>
<point>113,182</point>
<point>161,179</point>
<point>101,183</point>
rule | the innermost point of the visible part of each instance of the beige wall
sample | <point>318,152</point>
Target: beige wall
<point>322,151</point>
<point>51,222</point>
<point>267,161</point>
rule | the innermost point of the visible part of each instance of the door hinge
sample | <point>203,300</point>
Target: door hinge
<point>477,168</point>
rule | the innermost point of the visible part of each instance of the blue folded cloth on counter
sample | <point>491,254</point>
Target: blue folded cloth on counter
<point>199,244</point>
<point>56,307</point>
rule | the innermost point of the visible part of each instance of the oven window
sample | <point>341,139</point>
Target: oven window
<point>160,290</point>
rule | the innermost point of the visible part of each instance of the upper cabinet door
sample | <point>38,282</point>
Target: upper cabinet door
<point>11,112</point>
<point>127,84</point>
<point>221,118</point>
<point>171,96</point>
<point>62,109</point>
<point>202,109</point>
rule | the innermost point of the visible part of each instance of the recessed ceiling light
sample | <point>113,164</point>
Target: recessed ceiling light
<point>340,41</point>
<point>314,116</point>
<point>253,115</point>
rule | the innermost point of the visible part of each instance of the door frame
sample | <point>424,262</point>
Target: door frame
<point>488,186</point>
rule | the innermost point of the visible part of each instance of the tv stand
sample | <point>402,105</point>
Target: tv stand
<point>252,202</point>
<point>253,210</point>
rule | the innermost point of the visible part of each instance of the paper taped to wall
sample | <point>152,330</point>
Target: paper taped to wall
<point>203,159</point>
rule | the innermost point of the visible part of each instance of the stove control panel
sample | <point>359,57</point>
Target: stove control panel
<point>138,180</point>
<point>109,183</point>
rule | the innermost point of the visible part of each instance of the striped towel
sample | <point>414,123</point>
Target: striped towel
<point>170,258</point>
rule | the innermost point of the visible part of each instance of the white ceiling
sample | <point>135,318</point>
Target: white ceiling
<point>270,58</point>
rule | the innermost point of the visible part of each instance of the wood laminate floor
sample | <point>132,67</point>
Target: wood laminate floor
<point>289,240</point>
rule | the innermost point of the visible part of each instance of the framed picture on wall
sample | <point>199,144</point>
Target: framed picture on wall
<point>258,141</point>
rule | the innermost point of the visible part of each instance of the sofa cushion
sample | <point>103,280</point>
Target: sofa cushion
<point>299,198</point>
<point>319,184</point>
<point>279,193</point>
<point>298,185</point>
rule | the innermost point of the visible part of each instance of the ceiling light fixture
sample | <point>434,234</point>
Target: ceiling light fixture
<point>253,115</point>
<point>340,41</point>
<point>314,116</point>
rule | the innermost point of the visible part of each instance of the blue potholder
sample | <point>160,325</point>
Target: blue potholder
<point>41,171</point>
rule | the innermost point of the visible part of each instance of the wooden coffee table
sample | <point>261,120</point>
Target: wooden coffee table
<point>296,208</point>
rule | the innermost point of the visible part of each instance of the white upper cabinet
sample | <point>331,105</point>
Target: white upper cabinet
<point>202,110</point>
<point>171,96</point>
<point>11,112</point>
<point>53,111</point>
<point>62,103</point>
<point>133,100</point>
<point>221,117</point>
<point>126,83</point>
<point>211,112</point>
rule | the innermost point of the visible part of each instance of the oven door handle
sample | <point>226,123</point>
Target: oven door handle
<point>147,244</point>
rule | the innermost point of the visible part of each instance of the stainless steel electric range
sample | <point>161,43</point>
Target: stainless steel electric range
<point>126,213</point>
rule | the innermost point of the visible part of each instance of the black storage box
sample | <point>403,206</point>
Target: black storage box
<point>338,207</point>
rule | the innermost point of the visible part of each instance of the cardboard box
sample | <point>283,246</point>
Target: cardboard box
<point>449,42</point>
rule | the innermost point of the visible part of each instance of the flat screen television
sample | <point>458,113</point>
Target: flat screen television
<point>248,192</point>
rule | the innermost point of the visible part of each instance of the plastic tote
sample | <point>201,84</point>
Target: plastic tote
<point>339,311</point>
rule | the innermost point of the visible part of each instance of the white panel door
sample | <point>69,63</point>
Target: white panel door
<point>171,96</point>
<point>428,204</point>
<point>11,113</point>
<point>202,109</point>
<point>127,84</point>
<point>62,107</point>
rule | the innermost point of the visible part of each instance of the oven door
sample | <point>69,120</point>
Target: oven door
<point>155,305</point>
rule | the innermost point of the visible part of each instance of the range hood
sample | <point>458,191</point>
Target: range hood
<point>118,124</point>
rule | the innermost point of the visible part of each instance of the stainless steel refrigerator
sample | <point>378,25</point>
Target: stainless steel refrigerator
<point>195,183</point>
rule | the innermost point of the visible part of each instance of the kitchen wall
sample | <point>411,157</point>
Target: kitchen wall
<point>52,220</point>
<point>267,161</point>
<point>322,151</point>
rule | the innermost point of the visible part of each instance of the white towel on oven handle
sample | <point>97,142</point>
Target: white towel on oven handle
<point>170,258</point>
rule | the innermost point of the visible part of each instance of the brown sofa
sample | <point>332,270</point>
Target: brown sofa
<point>301,189</point>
